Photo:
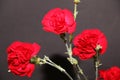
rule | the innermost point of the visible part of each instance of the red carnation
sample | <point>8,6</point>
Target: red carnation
<point>19,55</point>
<point>86,42</point>
<point>111,74</point>
<point>59,21</point>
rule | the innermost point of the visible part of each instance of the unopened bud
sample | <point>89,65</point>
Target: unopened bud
<point>35,60</point>
<point>76,1</point>
<point>9,70</point>
<point>98,47</point>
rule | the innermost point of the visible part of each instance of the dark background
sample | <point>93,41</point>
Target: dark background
<point>21,20</point>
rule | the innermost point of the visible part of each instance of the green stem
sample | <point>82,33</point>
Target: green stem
<point>75,11</point>
<point>46,60</point>
<point>96,64</point>
<point>73,61</point>
<point>76,72</point>
<point>69,50</point>
<point>96,78</point>
<point>81,72</point>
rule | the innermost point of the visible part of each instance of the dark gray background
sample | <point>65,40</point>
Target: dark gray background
<point>21,20</point>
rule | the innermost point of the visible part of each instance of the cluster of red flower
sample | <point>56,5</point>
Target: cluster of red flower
<point>60,21</point>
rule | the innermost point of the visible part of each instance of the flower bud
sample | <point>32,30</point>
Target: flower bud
<point>35,60</point>
<point>76,1</point>
<point>98,47</point>
<point>9,70</point>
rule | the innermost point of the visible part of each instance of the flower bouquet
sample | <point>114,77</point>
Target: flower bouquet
<point>88,44</point>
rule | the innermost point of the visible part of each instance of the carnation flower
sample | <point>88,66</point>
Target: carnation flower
<point>59,21</point>
<point>110,74</point>
<point>19,55</point>
<point>86,42</point>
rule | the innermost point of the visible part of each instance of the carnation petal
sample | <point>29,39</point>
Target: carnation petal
<point>36,48</point>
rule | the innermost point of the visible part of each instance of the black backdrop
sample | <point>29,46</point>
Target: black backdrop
<point>21,20</point>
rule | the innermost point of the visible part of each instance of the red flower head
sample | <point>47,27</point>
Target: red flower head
<point>59,21</point>
<point>19,55</point>
<point>86,43</point>
<point>110,74</point>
